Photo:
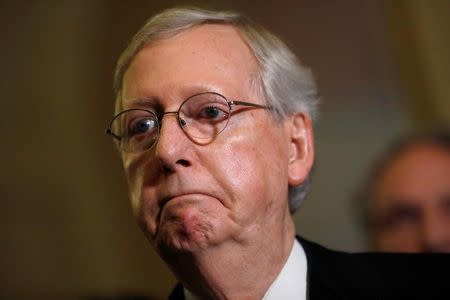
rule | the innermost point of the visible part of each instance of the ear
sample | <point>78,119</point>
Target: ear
<point>301,156</point>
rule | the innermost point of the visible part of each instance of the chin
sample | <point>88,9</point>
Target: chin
<point>187,234</point>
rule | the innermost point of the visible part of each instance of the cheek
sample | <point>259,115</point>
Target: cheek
<point>405,239</point>
<point>142,198</point>
<point>254,168</point>
<point>133,174</point>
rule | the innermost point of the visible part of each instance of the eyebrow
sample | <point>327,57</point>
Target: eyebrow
<point>155,103</point>
<point>149,102</point>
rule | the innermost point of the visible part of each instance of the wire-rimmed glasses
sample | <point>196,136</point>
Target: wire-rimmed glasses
<point>201,116</point>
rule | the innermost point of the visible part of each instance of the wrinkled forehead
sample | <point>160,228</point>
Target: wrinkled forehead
<point>210,54</point>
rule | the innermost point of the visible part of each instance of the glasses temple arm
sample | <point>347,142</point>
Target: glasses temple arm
<point>236,102</point>
<point>110,133</point>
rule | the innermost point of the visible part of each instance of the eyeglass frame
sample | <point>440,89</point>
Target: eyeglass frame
<point>160,116</point>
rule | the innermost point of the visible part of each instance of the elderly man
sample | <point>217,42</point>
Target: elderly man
<point>214,126</point>
<point>405,201</point>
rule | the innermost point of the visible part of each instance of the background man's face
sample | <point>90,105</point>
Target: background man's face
<point>188,196</point>
<point>412,202</point>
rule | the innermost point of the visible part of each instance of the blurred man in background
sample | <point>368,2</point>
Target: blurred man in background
<point>406,200</point>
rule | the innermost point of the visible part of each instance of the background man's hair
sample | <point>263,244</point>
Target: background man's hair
<point>285,84</point>
<point>365,194</point>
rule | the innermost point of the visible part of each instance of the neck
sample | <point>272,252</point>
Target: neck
<point>227,271</point>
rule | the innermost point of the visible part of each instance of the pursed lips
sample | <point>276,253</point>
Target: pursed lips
<point>164,200</point>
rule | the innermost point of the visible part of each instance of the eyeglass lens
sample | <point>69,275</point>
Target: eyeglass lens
<point>202,117</point>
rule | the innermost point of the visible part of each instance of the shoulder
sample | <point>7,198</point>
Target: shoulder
<point>381,275</point>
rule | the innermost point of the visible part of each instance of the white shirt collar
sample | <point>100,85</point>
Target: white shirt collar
<point>290,282</point>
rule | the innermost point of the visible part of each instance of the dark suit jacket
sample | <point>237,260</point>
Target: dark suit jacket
<point>339,275</point>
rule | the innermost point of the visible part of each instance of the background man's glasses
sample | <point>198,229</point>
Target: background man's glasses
<point>202,117</point>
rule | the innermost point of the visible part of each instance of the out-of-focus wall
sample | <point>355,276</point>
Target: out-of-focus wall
<point>420,34</point>
<point>66,226</point>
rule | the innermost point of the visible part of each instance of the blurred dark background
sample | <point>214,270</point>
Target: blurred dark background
<point>66,226</point>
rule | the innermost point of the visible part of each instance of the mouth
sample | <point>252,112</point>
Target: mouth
<point>166,199</point>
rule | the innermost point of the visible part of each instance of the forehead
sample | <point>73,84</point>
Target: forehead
<point>421,173</point>
<point>205,57</point>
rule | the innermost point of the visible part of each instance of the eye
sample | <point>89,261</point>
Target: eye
<point>402,215</point>
<point>205,108</point>
<point>212,113</point>
<point>142,126</point>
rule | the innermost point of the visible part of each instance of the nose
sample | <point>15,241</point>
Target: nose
<point>436,232</point>
<point>172,146</point>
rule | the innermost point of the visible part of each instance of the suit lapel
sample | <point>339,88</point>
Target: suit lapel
<point>177,293</point>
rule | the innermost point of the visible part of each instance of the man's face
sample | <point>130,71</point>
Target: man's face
<point>189,196</point>
<point>412,202</point>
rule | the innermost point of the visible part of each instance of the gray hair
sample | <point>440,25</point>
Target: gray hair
<point>287,86</point>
